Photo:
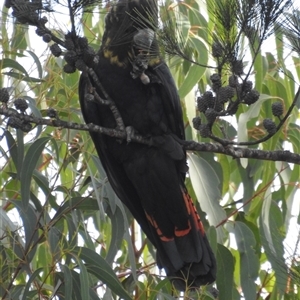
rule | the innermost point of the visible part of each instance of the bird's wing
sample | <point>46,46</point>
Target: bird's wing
<point>115,172</point>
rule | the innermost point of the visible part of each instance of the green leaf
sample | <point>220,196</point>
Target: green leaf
<point>190,109</point>
<point>297,63</point>
<point>195,72</point>
<point>206,185</point>
<point>12,148</point>
<point>211,234</point>
<point>249,262</point>
<point>244,118</point>
<point>42,258</point>
<point>13,64</point>
<point>42,181</point>
<point>271,223</point>
<point>117,224</point>
<point>30,222</point>
<point>55,149</point>
<point>88,241</point>
<point>107,295</point>
<point>72,232</point>
<point>38,207</point>
<point>202,53</point>
<point>229,130</point>
<point>82,203</point>
<point>67,176</point>
<point>20,139</point>
<point>31,158</point>
<point>61,287</point>
<point>247,181</point>
<point>36,112</point>
<point>97,266</point>
<point>166,296</point>
<point>17,245</point>
<point>97,163</point>
<point>127,237</point>
<point>225,273</point>
<point>15,293</point>
<point>251,113</point>
<point>193,76</point>
<point>6,225</point>
<point>68,282</point>
<point>260,67</point>
<point>84,280</point>
<point>98,194</point>
<point>22,77</point>
<point>108,192</point>
<point>54,239</point>
<point>29,282</point>
<point>18,40</point>
<point>37,62</point>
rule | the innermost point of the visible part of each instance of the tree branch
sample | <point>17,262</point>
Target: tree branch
<point>235,152</point>
<point>239,152</point>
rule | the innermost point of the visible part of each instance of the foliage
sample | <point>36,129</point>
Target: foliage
<point>63,232</point>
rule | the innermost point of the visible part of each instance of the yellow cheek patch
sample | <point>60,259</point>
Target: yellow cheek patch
<point>154,61</point>
<point>107,42</point>
<point>113,58</point>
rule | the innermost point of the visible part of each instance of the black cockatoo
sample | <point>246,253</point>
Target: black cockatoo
<point>149,179</point>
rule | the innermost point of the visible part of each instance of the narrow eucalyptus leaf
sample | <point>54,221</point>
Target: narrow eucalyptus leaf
<point>249,261</point>
<point>225,263</point>
<point>97,266</point>
<point>13,149</point>
<point>68,282</point>
<point>29,283</point>
<point>271,222</point>
<point>30,222</point>
<point>117,223</point>
<point>84,280</point>
<point>31,158</point>
<point>206,185</point>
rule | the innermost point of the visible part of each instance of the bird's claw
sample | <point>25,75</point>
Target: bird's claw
<point>139,65</point>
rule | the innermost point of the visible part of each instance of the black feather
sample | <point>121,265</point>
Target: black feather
<point>148,179</point>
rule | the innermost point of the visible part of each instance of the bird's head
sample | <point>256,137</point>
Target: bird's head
<point>130,28</point>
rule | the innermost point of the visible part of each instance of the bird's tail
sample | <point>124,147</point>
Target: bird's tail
<point>188,258</point>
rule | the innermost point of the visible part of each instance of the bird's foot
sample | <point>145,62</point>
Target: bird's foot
<point>139,65</point>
